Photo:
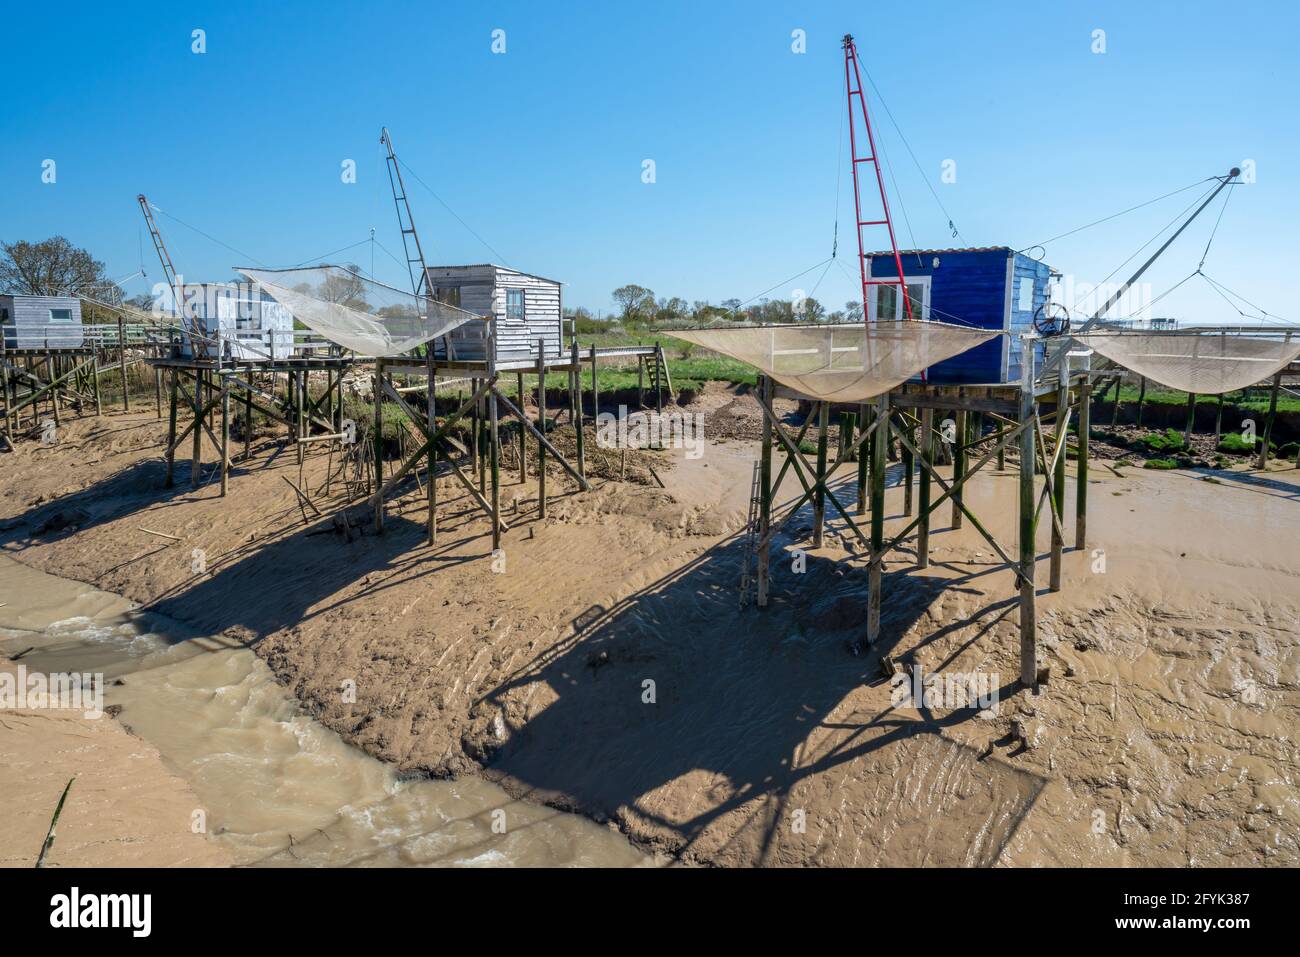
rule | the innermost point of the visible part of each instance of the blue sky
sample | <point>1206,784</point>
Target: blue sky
<point>540,149</point>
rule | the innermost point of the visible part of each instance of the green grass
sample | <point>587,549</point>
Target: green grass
<point>1160,464</point>
<point>1258,402</point>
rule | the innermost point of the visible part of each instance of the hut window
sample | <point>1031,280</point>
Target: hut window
<point>4,316</point>
<point>449,294</point>
<point>1025,303</point>
<point>60,315</point>
<point>514,305</point>
<point>889,304</point>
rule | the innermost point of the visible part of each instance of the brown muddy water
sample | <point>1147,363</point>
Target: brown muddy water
<point>278,788</point>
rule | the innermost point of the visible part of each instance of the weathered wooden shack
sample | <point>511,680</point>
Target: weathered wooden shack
<point>41,322</point>
<point>524,309</point>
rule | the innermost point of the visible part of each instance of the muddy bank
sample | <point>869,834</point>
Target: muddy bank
<point>606,666</point>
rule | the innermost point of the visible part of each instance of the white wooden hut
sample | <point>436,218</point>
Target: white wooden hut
<point>41,322</point>
<point>251,327</point>
<point>524,309</point>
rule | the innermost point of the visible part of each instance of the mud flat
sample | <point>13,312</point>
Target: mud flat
<point>608,669</point>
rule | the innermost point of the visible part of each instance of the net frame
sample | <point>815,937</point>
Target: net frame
<point>855,361</point>
<point>1202,361</point>
<point>363,315</point>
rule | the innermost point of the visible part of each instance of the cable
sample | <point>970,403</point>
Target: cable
<point>956,233</point>
<point>783,282</point>
<point>1222,209</point>
<point>467,226</point>
<point>1075,306</point>
<point>1104,219</point>
<point>329,254</point>
<point>210,238</point>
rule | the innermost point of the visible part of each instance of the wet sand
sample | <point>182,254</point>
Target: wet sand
<point>1166,735</point>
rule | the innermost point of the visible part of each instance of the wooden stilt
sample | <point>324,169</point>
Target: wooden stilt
<point>171,428</point>
<point>1142,397</point>
<point>864,457</point>
<point>431,374</point>
<point>765,499</point>
<point>660,364</point>
<point>1218,421</point>
<point>1191,418</point>
<point>595,385</point>
<point>157,391</point>
<point>1081,470</point>
<point>958,464</point>
<point>879,443</point>
<point>909,470</point>
<point>1261,461</point>
<point>248,418</point>
<point>577,405</point>
<point>94,381</point>
<point>1028,623</point>
<point>196,450</point>
<point>927,458</point>
<point>1058,473</point>
<point>225,436</point>
<point>819,497</point>
<point>523,434</point>
<point>494,449</point>
<point>121,364</point>
<point>379,445</point>
<point>541,427</point>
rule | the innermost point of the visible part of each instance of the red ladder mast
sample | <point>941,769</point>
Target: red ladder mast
<point>852,76</point>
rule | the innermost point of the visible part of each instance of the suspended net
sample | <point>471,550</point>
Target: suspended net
<point>1207,363</point>
<point>359,314</point>
<point>841,362</point>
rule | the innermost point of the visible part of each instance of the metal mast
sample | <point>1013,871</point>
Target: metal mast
<point>404,221</point>
<point>1055,357</point>
<point>169,273</point>
<point>853,84</point>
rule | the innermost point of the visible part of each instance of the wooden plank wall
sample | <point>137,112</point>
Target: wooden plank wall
<point>483,291</point>
<point>29,322</point>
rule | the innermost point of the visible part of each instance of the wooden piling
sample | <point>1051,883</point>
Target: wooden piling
<point>958,464</point>
<point>1028,624</point>
<point>523,433</point>
<point>1142,397</point>
<point>927,459</point>
<point>1261,462</point>
<point>171,428</point>
<point>1081,470</point>
<point>864,457</point>
<point>379,446</point>
<point>577,403</point>
<point>225,436</point>
<point>121,357</point>
<point>879,442</point>
<point>819,495</point>
<point>431,388</point>
<point>541,428</point>
<point>196,450</point>
<point>1058,473</point>
<point>765,496</point>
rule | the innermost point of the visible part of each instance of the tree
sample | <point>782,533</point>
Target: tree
<point>54,267</point>
<point>634,301</point>
<point>812,311</point>
<point>346,287</point>
<point>853,310</point>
